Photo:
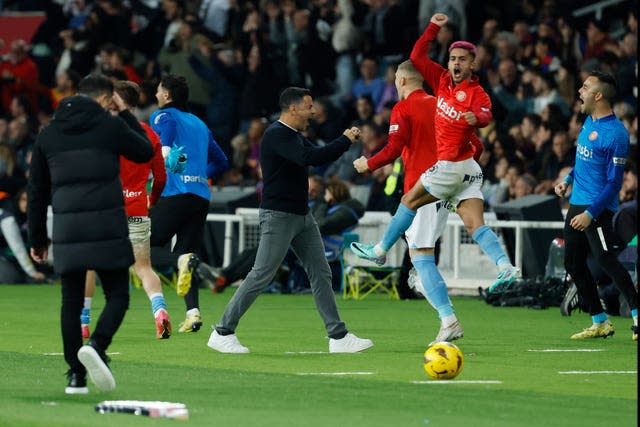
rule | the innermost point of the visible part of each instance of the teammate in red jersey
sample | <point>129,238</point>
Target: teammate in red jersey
<point>134,177</point>
<point>412,135</point>
<point>462,105</point>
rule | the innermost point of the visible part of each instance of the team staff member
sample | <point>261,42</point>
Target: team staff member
<point>285,220</point>
<point>412,135</point>
<point>603,146</point>
<point>462,105</point>
<point>75,167</point>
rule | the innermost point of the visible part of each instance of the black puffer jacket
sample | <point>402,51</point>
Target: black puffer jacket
<point>75,167</point>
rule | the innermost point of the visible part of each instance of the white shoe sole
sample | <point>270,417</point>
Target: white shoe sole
<point>76,390</point>
<point>98,371</point>
<point>357,349</point>
<point>213,345</point>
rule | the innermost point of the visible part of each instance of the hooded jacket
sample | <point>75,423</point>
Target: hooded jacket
<point>75,167</point>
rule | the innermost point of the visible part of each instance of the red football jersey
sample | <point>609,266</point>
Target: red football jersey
<point>411,134</point>
<point>453,133</point>
<point>134,177</point>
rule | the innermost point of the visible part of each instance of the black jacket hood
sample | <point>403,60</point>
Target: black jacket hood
<point>77,114</point>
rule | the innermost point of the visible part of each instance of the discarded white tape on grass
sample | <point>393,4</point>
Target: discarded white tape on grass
<point>439,382</point>
<point>62,354</point>
<point>335,373</point>
<point>596,372</point>
<point>568,350</point>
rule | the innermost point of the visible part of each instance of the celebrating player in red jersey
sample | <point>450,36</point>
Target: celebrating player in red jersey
<point>462,105</point>
<point>412,135</point>
<point>134,177</point>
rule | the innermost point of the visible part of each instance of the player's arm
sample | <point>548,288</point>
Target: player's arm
<point>431,71</point>
<point>158,170</point>
<point>399,137</point>
<point>217,161</point>
<point>616,159</point>
<point>38,193</point>
<point>481,109</point>
<point>478,146</point>
<point>307,154</point>
<point>165,126</point>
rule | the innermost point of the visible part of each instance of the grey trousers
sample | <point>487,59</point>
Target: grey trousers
<point>278,231</point>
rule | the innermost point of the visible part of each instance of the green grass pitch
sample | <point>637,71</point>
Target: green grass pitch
<point>285,379</point>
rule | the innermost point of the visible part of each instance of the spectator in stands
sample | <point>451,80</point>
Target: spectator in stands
<point>597,39</point>
<point>629,188</point>
<point>21,141</point>
<point>365,110</point>
<point>525,184</point>
<point>346,40</point>
<point>16,265</point>
<point>369,82</point>
<point>66,85</point>
<point>389,93</point>
<point>246,150</point>
<point>563,155</point>
<point>18,75</point>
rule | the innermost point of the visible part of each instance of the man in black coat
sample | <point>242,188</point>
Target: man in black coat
<point>75,168</point>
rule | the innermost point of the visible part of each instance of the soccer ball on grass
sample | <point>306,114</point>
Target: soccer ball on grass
<point>443,361</point>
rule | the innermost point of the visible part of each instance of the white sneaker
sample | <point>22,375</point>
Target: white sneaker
<point>449,333</point>
<point>226,343</point>
<point>98,371</point>
<point>349,344</point>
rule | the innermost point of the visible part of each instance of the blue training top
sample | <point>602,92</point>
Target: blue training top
<point>205,159</point>
<point>603,146</point>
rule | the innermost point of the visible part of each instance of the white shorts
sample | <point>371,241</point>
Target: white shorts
<point>454,181</point>
<point>428,225</point>
<point>140,236</point>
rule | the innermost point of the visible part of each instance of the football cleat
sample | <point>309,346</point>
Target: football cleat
<point>365,251</point>
<point>597,330</point>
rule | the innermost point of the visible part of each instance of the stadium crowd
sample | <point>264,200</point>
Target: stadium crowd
<point>238,55</point>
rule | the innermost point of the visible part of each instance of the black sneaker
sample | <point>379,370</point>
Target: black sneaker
<point>634,332</point>
<point>77,383</point>
<point>570,301</point>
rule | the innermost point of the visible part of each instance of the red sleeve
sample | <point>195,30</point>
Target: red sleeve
<point>398,138</point>
<point>431,71</point>
<point>482,108</point>
<point>157,166</point>
<point>477,145</point>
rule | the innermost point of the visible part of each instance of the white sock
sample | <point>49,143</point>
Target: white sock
<point>635,320</point>
<point>87,302</point>
<point>193,311</point>
<point>449,320</point>
<point>157,294</point>
<point>378,250</point>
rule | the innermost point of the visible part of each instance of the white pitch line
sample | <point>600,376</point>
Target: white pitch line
<point>595,372</point>
<point>306,352</point>
<point>554,350</point>
<point>458,382</point>
<point>335,373</point>
<point>62,354</point>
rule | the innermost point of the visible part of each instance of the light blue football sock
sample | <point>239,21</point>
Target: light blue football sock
<point>85,316</point>
<point>599,318</point>
<point>400,222</point>
<point>435,288</point>
<point>490,245</point>
<point>157,303</point>
<point>634,312</point>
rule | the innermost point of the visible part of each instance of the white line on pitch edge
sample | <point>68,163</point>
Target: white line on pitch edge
<point>458,382</point>
<point>553,350</point>
<point>335,373</point>
<point>595,372</point>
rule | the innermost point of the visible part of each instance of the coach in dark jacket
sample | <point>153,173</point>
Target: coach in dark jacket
<point>75,168</point>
